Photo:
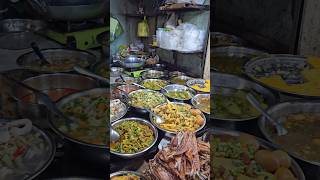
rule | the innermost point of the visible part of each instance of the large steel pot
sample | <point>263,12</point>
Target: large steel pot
<point>70,10</point>
<point>59,81</point>
<point>55,54</point>
<point>16,34</point>
<point>283,109</point>
<point>89,152</point>
<point>222,83</point>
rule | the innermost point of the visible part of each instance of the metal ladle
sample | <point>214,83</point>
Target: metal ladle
<point>37,51</point>
<point>88,73</point>
<point>114,135</point>
<point>279,127</point>
<point>44,99</point>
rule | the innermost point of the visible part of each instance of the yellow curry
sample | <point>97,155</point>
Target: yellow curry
<point>311,87</point>
<point>206,87</point>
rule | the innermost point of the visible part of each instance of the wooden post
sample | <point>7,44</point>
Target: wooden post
<point>206,73</point>
<point>309,40</point>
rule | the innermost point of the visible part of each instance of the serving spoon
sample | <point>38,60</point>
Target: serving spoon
<point>88,73</point>
<point>139,85</point>
<point>279,127</point>
<point>37,51</point>
<point>114,135</point>
<point>159,119</point>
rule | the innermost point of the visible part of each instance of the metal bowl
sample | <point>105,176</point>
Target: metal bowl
<point>224,82</point>
<point>128,88</point>
<point>128,79</point>
<point>154,80</point>
<point>196,104</point>
<point>192,82</point>
<point>222,39</point>
<point>181,78</point>
<point>295,168</point>
<point>284,109</point>
<point>56,54</point>
<point>44,83</point>
<point>141,153</point>
<point>152,74</point>
<point>16,34</point>
<point>119,173</point>
<point>177,87</point>
<point>143,110</point>
<point>151,117</point>
<point>21,25</point>
<point>123,109</point>
<point>120,91</point>
<point>239,55</point>
<point>176,73</point>
<point>42,160</point>
<point>87,151</point>
<point>274,60</point>
<point>159,67</point>
<point>235,51</point>
<point>116,71</point>
<point>132,61</point>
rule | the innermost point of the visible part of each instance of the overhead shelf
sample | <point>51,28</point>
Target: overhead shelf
<point>184,7</point>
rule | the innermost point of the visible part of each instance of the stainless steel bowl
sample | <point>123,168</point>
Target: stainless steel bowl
<point>159,67</point>
<point>44,83</point>
<point>235,51</point>
<point>192,82</point>
<point>274,60</point>
<point>238,55</point>
<point>16,34</point>
<point>196,104</point>
<point>121,173</point>
<point>295,168</point>
<point>132,61</point>
<point>152,74</point>
<point>151,117</point>
<point>141,153</point>
<point>283,109</point>
<point>224,83</point>
<point>176,73</point>
<point>87,151</point>
<point>116,71</point>
<point>128,79</point>
<point>42,160</point>
<point>123,109</point>
<point>128,88</point>
<point>154,80</point>
<point>140,109</point>
<point>182,78</point>
<point>177,87</point>
<point>21,25</point>
<point>222,39</point>
<point>55,54</point>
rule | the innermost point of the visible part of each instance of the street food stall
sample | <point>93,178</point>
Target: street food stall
<point>41,43</point>
<point>160,89</point>
<point>265,94</point>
